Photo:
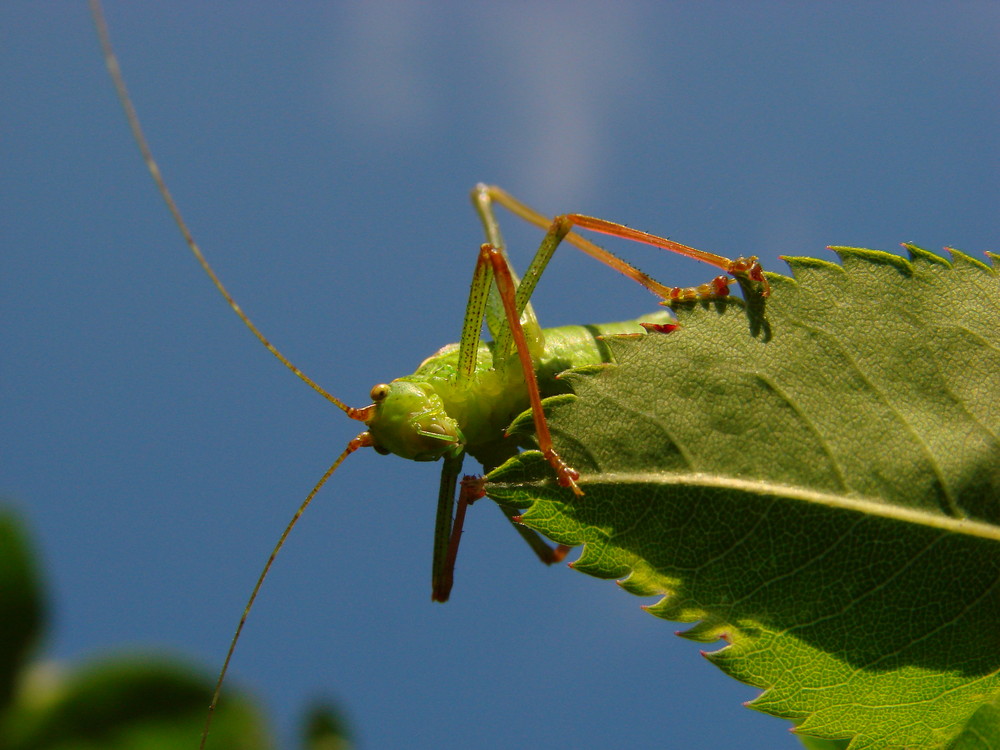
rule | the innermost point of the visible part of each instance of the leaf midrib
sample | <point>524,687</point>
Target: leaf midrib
<point>762,488</point>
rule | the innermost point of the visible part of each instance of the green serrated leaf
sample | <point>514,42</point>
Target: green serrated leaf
<point>817,482</point>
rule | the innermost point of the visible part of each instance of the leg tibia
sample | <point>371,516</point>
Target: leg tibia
<point>745,268</point>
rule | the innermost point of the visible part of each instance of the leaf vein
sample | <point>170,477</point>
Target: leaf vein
<point>866,505</point>
<point>948,504</point>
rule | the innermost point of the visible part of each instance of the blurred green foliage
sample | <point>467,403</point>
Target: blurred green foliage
<point>136,701</point>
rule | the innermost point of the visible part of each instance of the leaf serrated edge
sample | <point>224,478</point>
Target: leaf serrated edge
<point>915,252</point>
<point>918,253</point>
<point>881,257</point>
<point>804,261</point>
<point>957,256</point>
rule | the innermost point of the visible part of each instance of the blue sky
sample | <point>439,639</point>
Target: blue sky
<point>323,156</point>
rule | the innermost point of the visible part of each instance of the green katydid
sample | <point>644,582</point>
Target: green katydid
<point>462,399</point>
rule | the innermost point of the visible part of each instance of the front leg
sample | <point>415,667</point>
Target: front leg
<point>443,561</point>
<point>565,474</point>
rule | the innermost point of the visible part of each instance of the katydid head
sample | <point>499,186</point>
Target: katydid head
<point>409,419</point>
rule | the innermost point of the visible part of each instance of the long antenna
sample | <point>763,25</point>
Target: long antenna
<point>361,441</point>
<point>114,69</point>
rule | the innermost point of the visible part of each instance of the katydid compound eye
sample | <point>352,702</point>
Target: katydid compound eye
<point>379,392</point>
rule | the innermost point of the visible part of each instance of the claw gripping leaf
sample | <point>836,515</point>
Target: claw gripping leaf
<point>818,483</point>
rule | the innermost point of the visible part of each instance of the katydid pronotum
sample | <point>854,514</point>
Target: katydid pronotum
<point>462,398</point>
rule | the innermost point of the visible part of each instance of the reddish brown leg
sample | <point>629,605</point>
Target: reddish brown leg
<point>470,490</point>
<point>560,552</point>
<point>566,475</point>
<point>747,268</point>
